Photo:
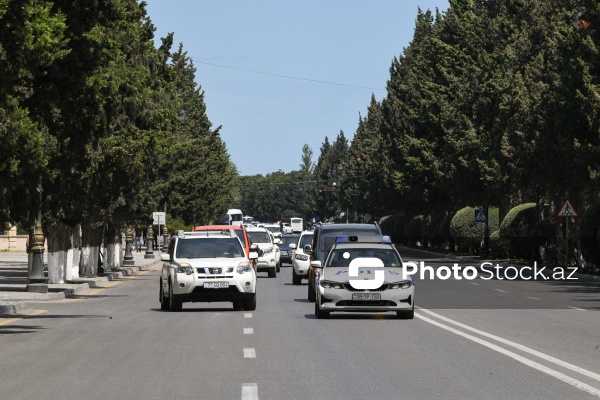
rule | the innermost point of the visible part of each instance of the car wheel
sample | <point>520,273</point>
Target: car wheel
<point>174,304</point>
<point>250,303</point>
<point>320,313</point>
<point>273,273</point>
<point>164,300</point>
<point>238,305</point>
<point>311,291</point>
<point>407,314</point>
<point>278,267</point>
<point>296,279</point>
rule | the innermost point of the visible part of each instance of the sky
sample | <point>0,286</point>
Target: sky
<point>279,74</point>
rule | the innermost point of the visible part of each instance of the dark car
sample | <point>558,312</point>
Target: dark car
<point>284,247</point>
<point>323,240</point>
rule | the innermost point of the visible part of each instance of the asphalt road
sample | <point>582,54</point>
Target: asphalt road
<point>470,339</point>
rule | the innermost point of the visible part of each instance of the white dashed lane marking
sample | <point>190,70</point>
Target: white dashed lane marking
<point>249,391</point>
<point>249,352</point>
<point>500,290</point>
<point>247,315</point>
<point>248,331</point>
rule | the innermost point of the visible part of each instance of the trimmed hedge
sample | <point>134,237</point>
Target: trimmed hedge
<point>499,248</point>
<point>467,233</point>
<point>393,226</point>
<point>415,229</point>
<point>589,231</point>
<point>433,231</point>
<point>517,226</point>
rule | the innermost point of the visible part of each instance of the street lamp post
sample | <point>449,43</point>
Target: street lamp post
<point>149,250</point>
<point>165,232</point>
<point>128,257</point>
<point>37,281</point>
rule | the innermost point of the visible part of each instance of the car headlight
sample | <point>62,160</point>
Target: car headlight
<point>332,285</point>
<point>301,257</point>
<point>401,285</point>
<point>244,267</point>
<point>185,268</point>
<point>268,250</point>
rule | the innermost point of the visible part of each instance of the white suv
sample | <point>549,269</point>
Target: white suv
<point>267,250</point>
<point>207,267</point>
<point>301,260</point>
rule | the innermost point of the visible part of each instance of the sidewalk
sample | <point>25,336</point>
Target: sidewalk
<point>13,280</point>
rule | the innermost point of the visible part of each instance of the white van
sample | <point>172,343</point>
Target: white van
<point>297,225</point>
<point>234,217</point>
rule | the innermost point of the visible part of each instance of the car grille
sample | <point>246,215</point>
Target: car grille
<point>349,287</point>
<point>210,270</point>
<point>201,289</point>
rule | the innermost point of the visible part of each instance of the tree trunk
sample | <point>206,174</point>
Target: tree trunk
<point>61,240</point>
<point>91,240</point>
<point>113,257</point>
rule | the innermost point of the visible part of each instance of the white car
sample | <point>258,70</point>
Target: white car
<point>268,251</point>
<point>204,267</point>
<point>301,260</point>
<point>363,273</point>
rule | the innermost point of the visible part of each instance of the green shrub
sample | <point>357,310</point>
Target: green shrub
<point>517,226</point>
<point>589,234</point>
<point>465,231</point>
<point>394,227</point>
<point>415,229</point>
<point>499,248</point>
<point>383,223</point>
<point>444,231</point>
<point>433,231</point>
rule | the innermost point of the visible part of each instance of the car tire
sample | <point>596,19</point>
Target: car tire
<point>320,313</point>
<point>311,292</point>
<point>164,300</point>
<point>174,304</point>
<point>296,279</point>
<point>407,314</point>
<point>278,267</point>
<point>238,305</point>
<point>273,273</point>
<point>250,303</point>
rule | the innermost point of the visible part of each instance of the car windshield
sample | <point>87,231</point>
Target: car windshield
<point>274,229</point>
<point>208,247</point>
<point>341,258</point>
<point>259,237</point>
<point>287,239</point>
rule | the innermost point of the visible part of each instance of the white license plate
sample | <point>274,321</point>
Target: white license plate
<point>216,285</point>
<point>366,296</point>
<point>284,253</point>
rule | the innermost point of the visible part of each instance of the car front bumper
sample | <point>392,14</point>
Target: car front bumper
<point>389,300</point>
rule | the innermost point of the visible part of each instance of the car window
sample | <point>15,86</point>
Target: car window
<point>306,240</point>
<point>286,240</point>
<point>327,239</point>
<point>259,237</point>
<point>209,248</point>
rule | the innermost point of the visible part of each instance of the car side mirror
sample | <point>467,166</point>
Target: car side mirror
<point>253,255</point>
<point>293,246</point>
<point>277,241</point>
<point>254,248</point>
<point>165,257</point>
<point>308,249</point>
<point>316,264</point>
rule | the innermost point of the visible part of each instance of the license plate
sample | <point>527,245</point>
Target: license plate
<point>284,253</point>
<point>366,296</point>
<point>216,285</point>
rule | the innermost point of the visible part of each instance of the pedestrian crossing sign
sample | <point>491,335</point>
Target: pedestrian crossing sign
<point>481,216</point>
<point>567,210</point>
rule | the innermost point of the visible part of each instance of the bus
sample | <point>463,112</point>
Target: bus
<point>234,217</point>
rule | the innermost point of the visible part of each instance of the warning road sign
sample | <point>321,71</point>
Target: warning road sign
<point>567,210</point>
<point>481,216</point>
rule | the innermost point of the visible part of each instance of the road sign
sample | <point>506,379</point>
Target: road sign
<point>481,215</point>
<point>159,218</point>
<point>567,210</point>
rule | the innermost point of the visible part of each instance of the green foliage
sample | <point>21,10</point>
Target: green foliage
<point>589,230</point>
<point>499,247</point>
<point>516,227</point>
<point>415,229</point>
<point>465,231</point>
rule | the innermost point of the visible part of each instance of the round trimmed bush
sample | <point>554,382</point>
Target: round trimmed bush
<point>464,230</point>
<point>499,247</point>
<point>516,227</point>
<point>415,229</point>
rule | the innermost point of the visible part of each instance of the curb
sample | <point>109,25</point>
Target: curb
<point>15,305</point>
